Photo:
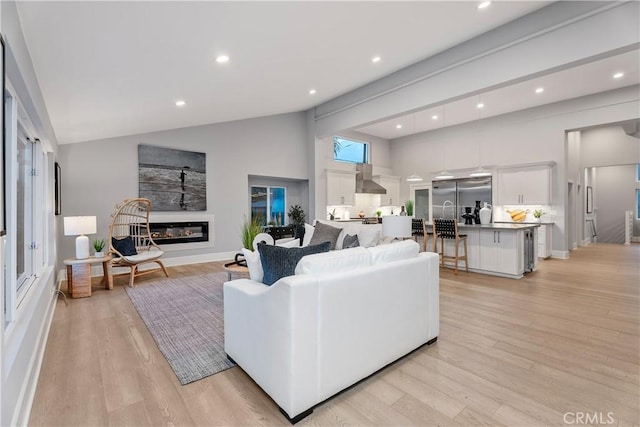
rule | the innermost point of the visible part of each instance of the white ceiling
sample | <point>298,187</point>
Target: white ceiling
<point>573,82</point>
<point>109,69</point>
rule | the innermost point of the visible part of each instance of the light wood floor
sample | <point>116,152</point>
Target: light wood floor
<point>564,339</point>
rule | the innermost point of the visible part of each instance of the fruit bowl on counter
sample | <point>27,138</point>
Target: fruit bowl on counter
<point>517,215</point>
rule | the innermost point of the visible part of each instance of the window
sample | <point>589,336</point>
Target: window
<point>268,204</point>
<point>637,204</point>
<point>26,166</point>
<point>346,150</point>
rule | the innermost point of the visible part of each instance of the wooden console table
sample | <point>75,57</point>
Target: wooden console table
<point>79,275</point>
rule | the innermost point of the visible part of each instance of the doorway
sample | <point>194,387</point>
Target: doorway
<point>421,195</point>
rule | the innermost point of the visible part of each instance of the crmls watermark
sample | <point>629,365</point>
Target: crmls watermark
<point>589,418</point>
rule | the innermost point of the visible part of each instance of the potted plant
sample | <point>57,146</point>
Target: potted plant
<point>378,213</point>
<point>332,215</point>
<point>297,217</point>
<point>271,223</point>
<point>98,245</point>
<point>250,229</point>
<point>537,214</point>
<point>409,207</point>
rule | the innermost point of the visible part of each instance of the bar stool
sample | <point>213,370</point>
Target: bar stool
<point>447,229</point>
<point>417,229</point>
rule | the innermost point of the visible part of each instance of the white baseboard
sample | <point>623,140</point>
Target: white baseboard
<point>96,270</point>
<point>560,254</point>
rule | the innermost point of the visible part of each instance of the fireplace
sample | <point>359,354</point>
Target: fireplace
<point>167,233</point>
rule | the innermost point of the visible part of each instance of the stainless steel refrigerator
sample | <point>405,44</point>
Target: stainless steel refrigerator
<point>451,197</point>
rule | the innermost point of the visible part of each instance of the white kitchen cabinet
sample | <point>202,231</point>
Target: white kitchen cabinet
<point>501,251</point>
<point>341,188</point>
<point>530,185</point>
<point>392,185</point>
<point>544,241</point>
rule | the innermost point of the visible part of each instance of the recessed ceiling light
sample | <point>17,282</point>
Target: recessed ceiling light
<point>539,90</point>
<point>375,59</point>
<point>618,75</point>
<point>398,126</point>
<point>434,117</point>
<point>222,59</point>
<point>312,92</point>
<point>180,103</point>
<point>480,105</point>
<point>484,4</point>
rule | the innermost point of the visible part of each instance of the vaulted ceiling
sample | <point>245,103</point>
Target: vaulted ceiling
<point>109,69</point>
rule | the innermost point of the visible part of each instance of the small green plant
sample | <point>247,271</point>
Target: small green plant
<point>378,213</point>
<point>99,244</point>
<point>297,215</point>
<point>271,223</point>
<point>537,213</point>
<point>332,215</point>
<point>250,229</point>
<point>409,207</point>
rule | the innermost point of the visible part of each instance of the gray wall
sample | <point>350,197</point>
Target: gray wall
<point>98,174</point>
<point>614,188</point>
<point>614,193</point>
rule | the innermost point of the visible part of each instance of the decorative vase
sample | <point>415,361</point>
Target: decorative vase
<point>485,214</point>
<point>476,213</point>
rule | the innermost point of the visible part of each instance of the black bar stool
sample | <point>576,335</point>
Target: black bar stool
<point>447,229</point>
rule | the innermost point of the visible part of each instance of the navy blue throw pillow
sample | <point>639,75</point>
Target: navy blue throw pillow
<point>125,246</point>
<point>278,262</point>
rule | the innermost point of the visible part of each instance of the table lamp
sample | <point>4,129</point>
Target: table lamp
<point>79,226</point>
<point>396,226</point>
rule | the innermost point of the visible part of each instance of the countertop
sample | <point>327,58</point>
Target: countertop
<point>525,222</point>
<point>498,226</point>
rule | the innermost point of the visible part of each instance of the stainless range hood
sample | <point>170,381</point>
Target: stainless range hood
<point>364,180</point>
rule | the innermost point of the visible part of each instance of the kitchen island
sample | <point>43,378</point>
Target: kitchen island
<point>500,249</point>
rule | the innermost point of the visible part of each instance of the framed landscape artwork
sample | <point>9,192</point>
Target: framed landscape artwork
<point>174,180</point>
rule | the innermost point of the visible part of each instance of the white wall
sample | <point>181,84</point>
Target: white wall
<point>98,174</point>
<point>25,338</point>
<point>533,135</point>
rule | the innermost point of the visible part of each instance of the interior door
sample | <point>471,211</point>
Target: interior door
<point>421,195</point>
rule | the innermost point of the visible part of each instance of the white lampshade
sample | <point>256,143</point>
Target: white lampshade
<point>396,226</point>
<point>79,226</point>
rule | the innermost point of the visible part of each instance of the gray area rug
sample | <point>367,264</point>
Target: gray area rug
<point>186,319</point>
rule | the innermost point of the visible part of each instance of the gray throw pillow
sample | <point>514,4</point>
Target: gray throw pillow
<point>350,241</point>
<point>278,262</point>
<point>325,233</point>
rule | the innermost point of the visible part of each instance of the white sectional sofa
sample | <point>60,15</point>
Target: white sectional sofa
<point>343,316</point>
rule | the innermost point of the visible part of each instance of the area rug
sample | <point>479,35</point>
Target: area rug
<point>186,319</point>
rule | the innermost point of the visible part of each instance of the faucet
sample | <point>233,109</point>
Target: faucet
<point>446,204</point>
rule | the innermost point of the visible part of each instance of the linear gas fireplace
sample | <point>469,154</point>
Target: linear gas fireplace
<point>166,233</point>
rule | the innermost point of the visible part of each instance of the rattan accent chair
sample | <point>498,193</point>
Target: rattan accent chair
<point>447,229</point>
<point>130,228</point>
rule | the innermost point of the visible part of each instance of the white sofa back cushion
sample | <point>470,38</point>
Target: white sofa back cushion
<point>334,261</point>
<point>394,251</point>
